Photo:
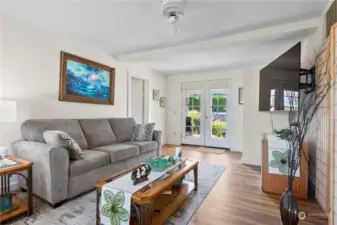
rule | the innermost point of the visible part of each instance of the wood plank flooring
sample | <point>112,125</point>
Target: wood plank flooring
<point>237,197</point>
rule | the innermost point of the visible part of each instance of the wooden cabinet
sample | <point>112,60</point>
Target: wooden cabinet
<point>276,183</point>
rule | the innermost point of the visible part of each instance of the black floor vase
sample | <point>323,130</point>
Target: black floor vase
<point>289,208</point>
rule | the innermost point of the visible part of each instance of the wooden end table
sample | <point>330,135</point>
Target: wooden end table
<point>144,198</point>
<point>5,175</point>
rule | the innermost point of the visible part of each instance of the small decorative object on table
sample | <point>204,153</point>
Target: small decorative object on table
<point>140,174</point>
<point>6,203</point>
<point>178,153</point>
<point>160,164</point>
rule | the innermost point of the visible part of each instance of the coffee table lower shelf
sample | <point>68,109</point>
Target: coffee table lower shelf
<point>22,208</point>
<point>159,217</point>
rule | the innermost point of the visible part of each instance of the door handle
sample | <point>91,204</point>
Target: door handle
<point>206,117</point>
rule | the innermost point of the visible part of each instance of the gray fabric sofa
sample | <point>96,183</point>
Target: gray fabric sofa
<point>107,146</point>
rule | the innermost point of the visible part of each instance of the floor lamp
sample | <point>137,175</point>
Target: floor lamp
<point>7,115</point>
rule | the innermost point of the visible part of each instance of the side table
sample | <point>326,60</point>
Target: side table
<point>5,175</point>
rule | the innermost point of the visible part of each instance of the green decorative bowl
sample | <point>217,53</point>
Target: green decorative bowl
<point>159,164</point>
<point>179,183</point>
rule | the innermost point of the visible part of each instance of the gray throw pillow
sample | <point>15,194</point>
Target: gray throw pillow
<point>143,132</point>
<point>62,139</point>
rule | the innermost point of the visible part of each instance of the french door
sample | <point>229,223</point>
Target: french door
<point>206,114</point>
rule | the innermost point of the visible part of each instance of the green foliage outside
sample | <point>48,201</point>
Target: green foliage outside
<point>218,127</point>
<point>194,100</point>
<point>219,103</point>
<point>195,117</point>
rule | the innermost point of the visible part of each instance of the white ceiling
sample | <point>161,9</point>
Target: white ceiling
<point>232,56</point>
<point>125,27</point>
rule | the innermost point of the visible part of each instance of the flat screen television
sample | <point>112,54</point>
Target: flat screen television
<point>280,80</point>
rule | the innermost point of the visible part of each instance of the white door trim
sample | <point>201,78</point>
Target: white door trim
<point>147,96</point>
<point>204,95</point>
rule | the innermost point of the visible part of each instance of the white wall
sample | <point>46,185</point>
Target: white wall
<point>248,124</point>
<point>256,123</point>
<point>174,118</point>
<point>30,76</point>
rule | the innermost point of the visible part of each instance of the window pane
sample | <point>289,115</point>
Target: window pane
<point>222,108</point>
<point>196,100</point>
<point>188,131</point>
<point>219,129</point>
<point>196,108</point>
<point>194,117</point>
<point>196,131</point>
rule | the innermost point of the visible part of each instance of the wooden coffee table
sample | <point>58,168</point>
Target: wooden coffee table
<point>5,175</point>
<point>144,199</point>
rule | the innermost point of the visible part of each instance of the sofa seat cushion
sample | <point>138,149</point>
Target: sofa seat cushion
<point>144,146</point>
<point>120,151</point>
<point>91,160</point>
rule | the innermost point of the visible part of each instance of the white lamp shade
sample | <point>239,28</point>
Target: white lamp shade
<point>7,111</point>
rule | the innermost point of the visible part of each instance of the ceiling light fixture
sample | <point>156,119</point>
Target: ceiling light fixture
<point>173,10</point>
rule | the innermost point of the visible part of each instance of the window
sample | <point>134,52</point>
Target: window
<point>272,100</point>
<point>193,113</point>
<point>290,99</point>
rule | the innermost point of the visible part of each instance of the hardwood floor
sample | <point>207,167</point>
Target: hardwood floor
<point>237,197</point>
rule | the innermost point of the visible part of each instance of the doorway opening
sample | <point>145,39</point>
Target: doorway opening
<point>138,100</point>
<point>205,110</point>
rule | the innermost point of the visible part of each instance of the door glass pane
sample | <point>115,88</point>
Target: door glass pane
<point>192,121</point>
<point>219,114</point>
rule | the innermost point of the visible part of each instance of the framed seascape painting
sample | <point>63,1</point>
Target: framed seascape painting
<point>83,80</point>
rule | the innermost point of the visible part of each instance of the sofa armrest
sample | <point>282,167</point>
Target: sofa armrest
<point>157,136</point>
<point>50,168</point>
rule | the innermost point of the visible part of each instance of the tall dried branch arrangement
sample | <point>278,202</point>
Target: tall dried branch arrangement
<point>302,109</point>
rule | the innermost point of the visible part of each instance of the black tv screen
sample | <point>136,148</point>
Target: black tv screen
<point>279,79</point>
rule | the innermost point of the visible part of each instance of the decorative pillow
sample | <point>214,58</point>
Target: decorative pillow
<point>62,139</point>
<point>143,132</point>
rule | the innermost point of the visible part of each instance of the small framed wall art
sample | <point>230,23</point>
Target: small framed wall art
<point>156,94</point>
<point>240,95</point>
<point>162,102</point>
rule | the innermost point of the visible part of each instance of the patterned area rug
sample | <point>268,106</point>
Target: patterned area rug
<point>210,150</point>
<point>82,210</point>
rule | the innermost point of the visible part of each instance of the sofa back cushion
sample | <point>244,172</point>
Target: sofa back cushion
<point>32,130</point>
<point>98,132</point>
<point>123,128</point>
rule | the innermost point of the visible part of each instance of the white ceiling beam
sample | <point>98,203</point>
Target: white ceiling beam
<point>269,33</point>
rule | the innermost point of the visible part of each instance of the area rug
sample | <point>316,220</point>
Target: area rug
<point>210,150</point>
<point>82,210</point>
